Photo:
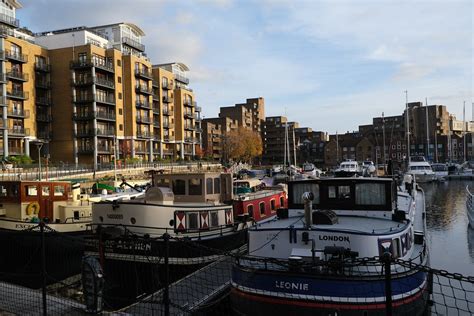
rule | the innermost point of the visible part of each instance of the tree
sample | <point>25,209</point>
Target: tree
<point>244,144</point>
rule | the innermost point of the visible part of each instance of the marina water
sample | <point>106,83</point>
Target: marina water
<point>451,239</point>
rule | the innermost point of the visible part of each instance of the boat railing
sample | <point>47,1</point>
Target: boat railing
<point>80,219</point>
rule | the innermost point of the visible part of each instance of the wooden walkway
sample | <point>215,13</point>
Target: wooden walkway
<point>189,293</point>
<point>18,300</point>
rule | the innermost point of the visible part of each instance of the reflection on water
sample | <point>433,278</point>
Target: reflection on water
<point>451,240</point>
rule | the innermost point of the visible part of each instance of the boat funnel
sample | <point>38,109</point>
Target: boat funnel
<point>308,198</point>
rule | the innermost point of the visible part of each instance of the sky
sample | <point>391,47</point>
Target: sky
<point>330,65</point>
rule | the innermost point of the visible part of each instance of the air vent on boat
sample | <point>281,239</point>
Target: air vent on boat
<point>324,217</point>
<point>159,195</point>
<point>282,213</point>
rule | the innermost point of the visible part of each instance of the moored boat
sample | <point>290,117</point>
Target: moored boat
<point>55,204</point>
<point>421,169</point>
<point>315,258</point>
<point>348,168</point>
<point>470,206</point>
<point>440,170</point>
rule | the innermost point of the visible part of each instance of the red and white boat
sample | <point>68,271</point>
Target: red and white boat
<point>253,200</point>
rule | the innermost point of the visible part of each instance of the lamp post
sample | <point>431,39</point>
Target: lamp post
<point>39,145</point>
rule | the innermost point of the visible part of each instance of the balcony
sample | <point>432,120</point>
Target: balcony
<point>19,132</point>
<point>181,78</point>
<point>188,115</point>
<point>46,135</point>
<point>17,75</point>
<point>143,104</point>
<point>143,89</point>
<point>106,132</point>
<point>3,78</point>
<point>141,119</point>
<point>134,44</point>
<point>167,85</point>
<point>168,125</point>
<point>22,58</point>
<point>156,97</point>
<point>142,73</point>
<point>156,124</point>
<point>108,99</point>
<point>105,149</point>
<point>17,94</point>
<point>46,101</point>
<point>44,117</point>
<point>156,110</point>
<point>167,99</point>
<point>42,67</point>
<point>167,112</point>
<point>6,19</point>
<point>85,150</point>
<point>198,109</point>
<point>189,127</point>
<point>85,133</point>
<point>188,103</point>
<point>88,63</point>
<point>144,134</point>
<point>105,115</point>
<point>104,82</point>
<point>88,98</point>
<point>167,138</point>
<point>18,113</point>
<point>155,83</point>
<point>140,150</point>
<point>43,84</point>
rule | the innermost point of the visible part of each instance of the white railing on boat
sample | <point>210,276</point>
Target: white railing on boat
<point>470,200</point>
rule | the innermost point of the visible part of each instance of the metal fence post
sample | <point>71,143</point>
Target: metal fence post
<point>43,267</point>
<point>166,297</point>
<point>388,284</point>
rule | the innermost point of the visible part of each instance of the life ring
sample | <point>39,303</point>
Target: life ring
<point>33,208</point>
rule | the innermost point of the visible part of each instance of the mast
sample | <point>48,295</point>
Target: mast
<point>294,145</point>
<point>407,128</point>
<point>286,144</point>
<point>472,132</point>
<point>464,129</point>
<point>427,131</point>
<point>383,132</point>
<point>337,148</point>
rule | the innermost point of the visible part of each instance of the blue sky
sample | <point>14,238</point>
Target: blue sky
<point>329,65</point>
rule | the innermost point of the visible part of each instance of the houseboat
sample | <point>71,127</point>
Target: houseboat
<point>23,205</point>
<point>130,235</point>
<point>322,256</point>
<point>253,200</point>
<point>309,170</point>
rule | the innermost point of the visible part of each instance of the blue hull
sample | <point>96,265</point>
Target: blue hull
<point>282,293</point>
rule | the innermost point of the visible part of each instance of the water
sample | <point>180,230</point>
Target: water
<point>450,238</point>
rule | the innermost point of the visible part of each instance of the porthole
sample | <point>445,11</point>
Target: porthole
<point>133,220</point>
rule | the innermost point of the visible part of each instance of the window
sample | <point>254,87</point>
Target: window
<point>59,190</point>
<point>209,186</point>
<point>120,95</point>
<point>250,210</point>
<point>195,186</point>
<point>120,111</point>
<point>120,127</point>
<point>31,190</point>
<point>370,194</point>
<point>272,205</point>
<point>82,58</point>
<point>193,220</point>
<point>282,201</point>
<point>3,190</point>
<point>119,63</point>
<point>119,79</point>
<point>217,185</point>
<point>179,187</point>
<point>261,205</point>
<point>44,191</point>
<point>301,188</point>
<point>344,192</point>
<point>214,220</point>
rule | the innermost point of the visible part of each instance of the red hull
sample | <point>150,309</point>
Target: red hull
<point>259,205</point>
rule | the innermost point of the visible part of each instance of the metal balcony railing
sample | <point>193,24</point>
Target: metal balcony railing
<point>143,89</point>
<point>143,119</point>
<point>44,84</point>
<point>167,99</point>
<point>87,63</point>
<point>44,67</point>
<point>143,104</point>
<point>17,75</point>
<point>9,20</point>
<point>144,134</point>
<point>143,73</point>
<point>43,101</point>
<point>19,113</point>
<point>132,43</point>
<point>19,132</point>
<point>167,85</point>
<point>17,94</point>
<point>16,56</point>
<point>43,117</point>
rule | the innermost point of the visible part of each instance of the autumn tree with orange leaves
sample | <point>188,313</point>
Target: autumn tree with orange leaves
<point>243,144</point>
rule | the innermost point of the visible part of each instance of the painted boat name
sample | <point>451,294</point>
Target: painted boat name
<point>291,285</point>
<point>334,238</point>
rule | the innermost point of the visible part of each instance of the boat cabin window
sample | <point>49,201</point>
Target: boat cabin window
<point>396,253</point>
<point>214,219</point>
<point>217,185</point>
<point>250,210</point>
<point>179,187</point>
<point>31,190</point>
<point>3,190</point>
<point>195,186</point>
<point>300,188</point>
<point>193,220</point>
<point>340,192</point>
<point>163,183</point>
<point>272,205</point>
<point>370,193</point>
<point>44,190</point>
<point>282,201</point>
<point>261,205</point>
<point>209,186</point>
<point>59,190</point>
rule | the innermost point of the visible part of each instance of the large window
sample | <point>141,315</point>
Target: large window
<point>179,187</point>
<point>261,205</point>
<point>209,186</point>
<point>195,186</point>
<point>301,188</point>
<point>217,185</point>
<point>370,194</point>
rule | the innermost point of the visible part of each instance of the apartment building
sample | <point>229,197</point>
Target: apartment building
<point>89,94</point>
<point>250,114</point>
<point>274,139</point>
<point>215,136</point>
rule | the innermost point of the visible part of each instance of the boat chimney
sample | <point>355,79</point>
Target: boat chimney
<point>308,197</point>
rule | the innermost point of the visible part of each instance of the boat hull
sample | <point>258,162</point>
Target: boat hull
<point>262,292</point>
<point>21,259</point>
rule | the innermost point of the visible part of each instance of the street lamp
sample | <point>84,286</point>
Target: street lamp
<point>39,144</point>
